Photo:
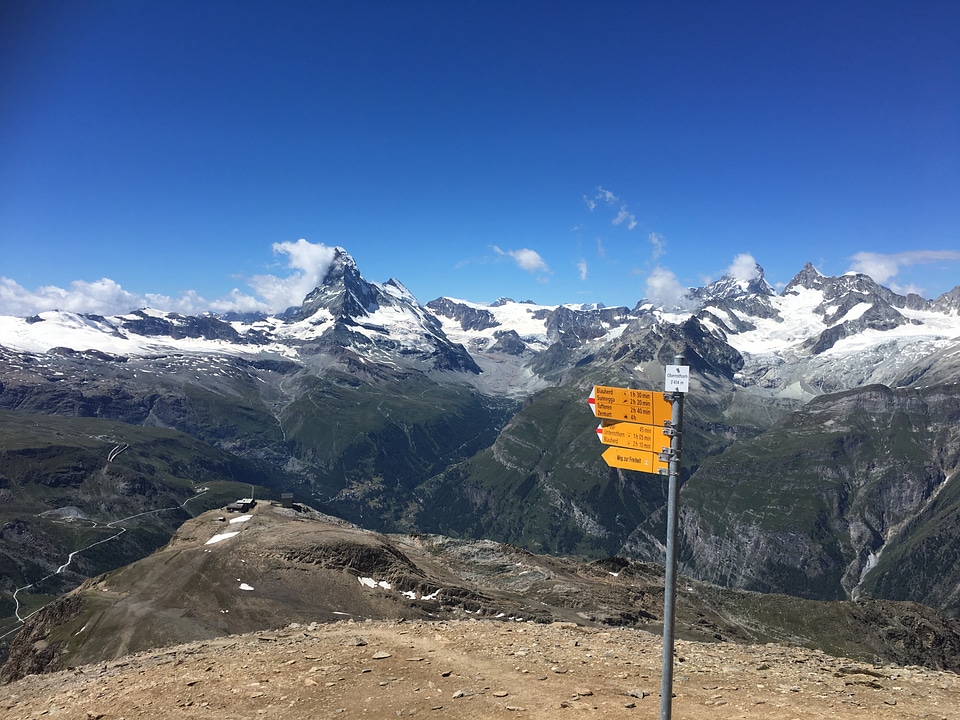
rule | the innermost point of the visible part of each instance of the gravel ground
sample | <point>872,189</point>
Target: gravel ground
<point>476,669</point>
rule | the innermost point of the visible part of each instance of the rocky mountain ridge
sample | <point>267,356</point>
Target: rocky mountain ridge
<point>470,419</point>
<point>273,567</point>
<point>384,322</point>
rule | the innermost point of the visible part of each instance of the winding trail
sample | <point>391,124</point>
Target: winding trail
<point>113,524</point>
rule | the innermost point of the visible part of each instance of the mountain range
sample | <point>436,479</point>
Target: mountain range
<point>820,437</point>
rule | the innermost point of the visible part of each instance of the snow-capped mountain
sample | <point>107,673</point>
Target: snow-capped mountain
<point>829,333</point>
<point>344,315</point>
<point>819,334</point>
<point>470,419</point>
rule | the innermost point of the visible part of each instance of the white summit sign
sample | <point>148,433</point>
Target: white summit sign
<point>677,378</point>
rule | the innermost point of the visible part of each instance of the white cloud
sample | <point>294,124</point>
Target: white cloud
<point>525,258</point>
<point>190,303</point>
<point>625,217</point>
<point>664,289</point>
<point>237,301</point>
<point>908,288</point>
<point>883,267</point>
<point>103,296</point>
<point>107,297</point>
<point>309,262</point>
<point>880,267</point>
<point>743,267</point>
<point>582,268</point>
<point>659,243</point>
<point>606,196</point>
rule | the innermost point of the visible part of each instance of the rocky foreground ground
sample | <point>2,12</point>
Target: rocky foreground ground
<point>476,669</point>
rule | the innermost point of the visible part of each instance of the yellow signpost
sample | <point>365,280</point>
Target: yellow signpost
<point>640,460</point>
<point>644,429</point>
<point>631,435</point>
<point>639,406</point>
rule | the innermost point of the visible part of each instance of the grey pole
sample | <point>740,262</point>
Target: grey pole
<point>670,577</point>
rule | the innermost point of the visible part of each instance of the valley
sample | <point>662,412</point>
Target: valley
<point>820,450</point>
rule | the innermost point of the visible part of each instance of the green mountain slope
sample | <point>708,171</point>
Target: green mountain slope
<point>105,490</point>
<point>807,507</point>
<point>364,448</point>
<point>543,484</point>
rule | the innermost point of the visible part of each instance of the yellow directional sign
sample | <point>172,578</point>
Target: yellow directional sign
<point>639,406</point>
<point>639,460</point>
<point>632,435</point>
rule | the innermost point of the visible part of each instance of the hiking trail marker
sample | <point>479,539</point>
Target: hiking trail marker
<point>631,435</point>
<point>638,406</point>
<point>644,431</point>
<point>638,460</point>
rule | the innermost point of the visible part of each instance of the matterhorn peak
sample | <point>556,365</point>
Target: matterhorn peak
<point>343,292</point>
<point>342,265</point>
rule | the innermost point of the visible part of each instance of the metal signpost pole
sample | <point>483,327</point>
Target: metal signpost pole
<point>670,578</point>
<point>628,421</point>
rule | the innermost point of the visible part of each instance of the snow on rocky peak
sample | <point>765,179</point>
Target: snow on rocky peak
<point>832,332</point>
<point>382,322</point>
<point>482,326</point>
<point>140,333</point>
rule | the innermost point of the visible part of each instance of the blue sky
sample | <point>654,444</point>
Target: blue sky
<point>200,155</point>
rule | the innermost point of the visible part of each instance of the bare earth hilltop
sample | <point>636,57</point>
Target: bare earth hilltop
<point>476,669</point>
<point>288,613</point>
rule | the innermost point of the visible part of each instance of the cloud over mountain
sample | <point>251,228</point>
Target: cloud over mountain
<point>884,267</point>
<point>309,263</point>
<point>306,261</point>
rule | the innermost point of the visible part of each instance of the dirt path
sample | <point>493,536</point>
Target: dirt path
<point>476,669</point>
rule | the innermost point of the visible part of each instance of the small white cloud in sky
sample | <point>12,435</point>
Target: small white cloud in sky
<point>880,267</point>
<point>743,267</point>
<point>883,267</point>
<point>659,243</point>
<point>623,216</point>
<point>606,196</point>
<point>582,268</point>
<point>525,258</point>
<point>235,301</point>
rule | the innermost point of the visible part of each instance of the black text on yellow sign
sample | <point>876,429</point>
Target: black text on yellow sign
<point>632,435</point>
<point>638,460</point>
<point>639,406</point>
